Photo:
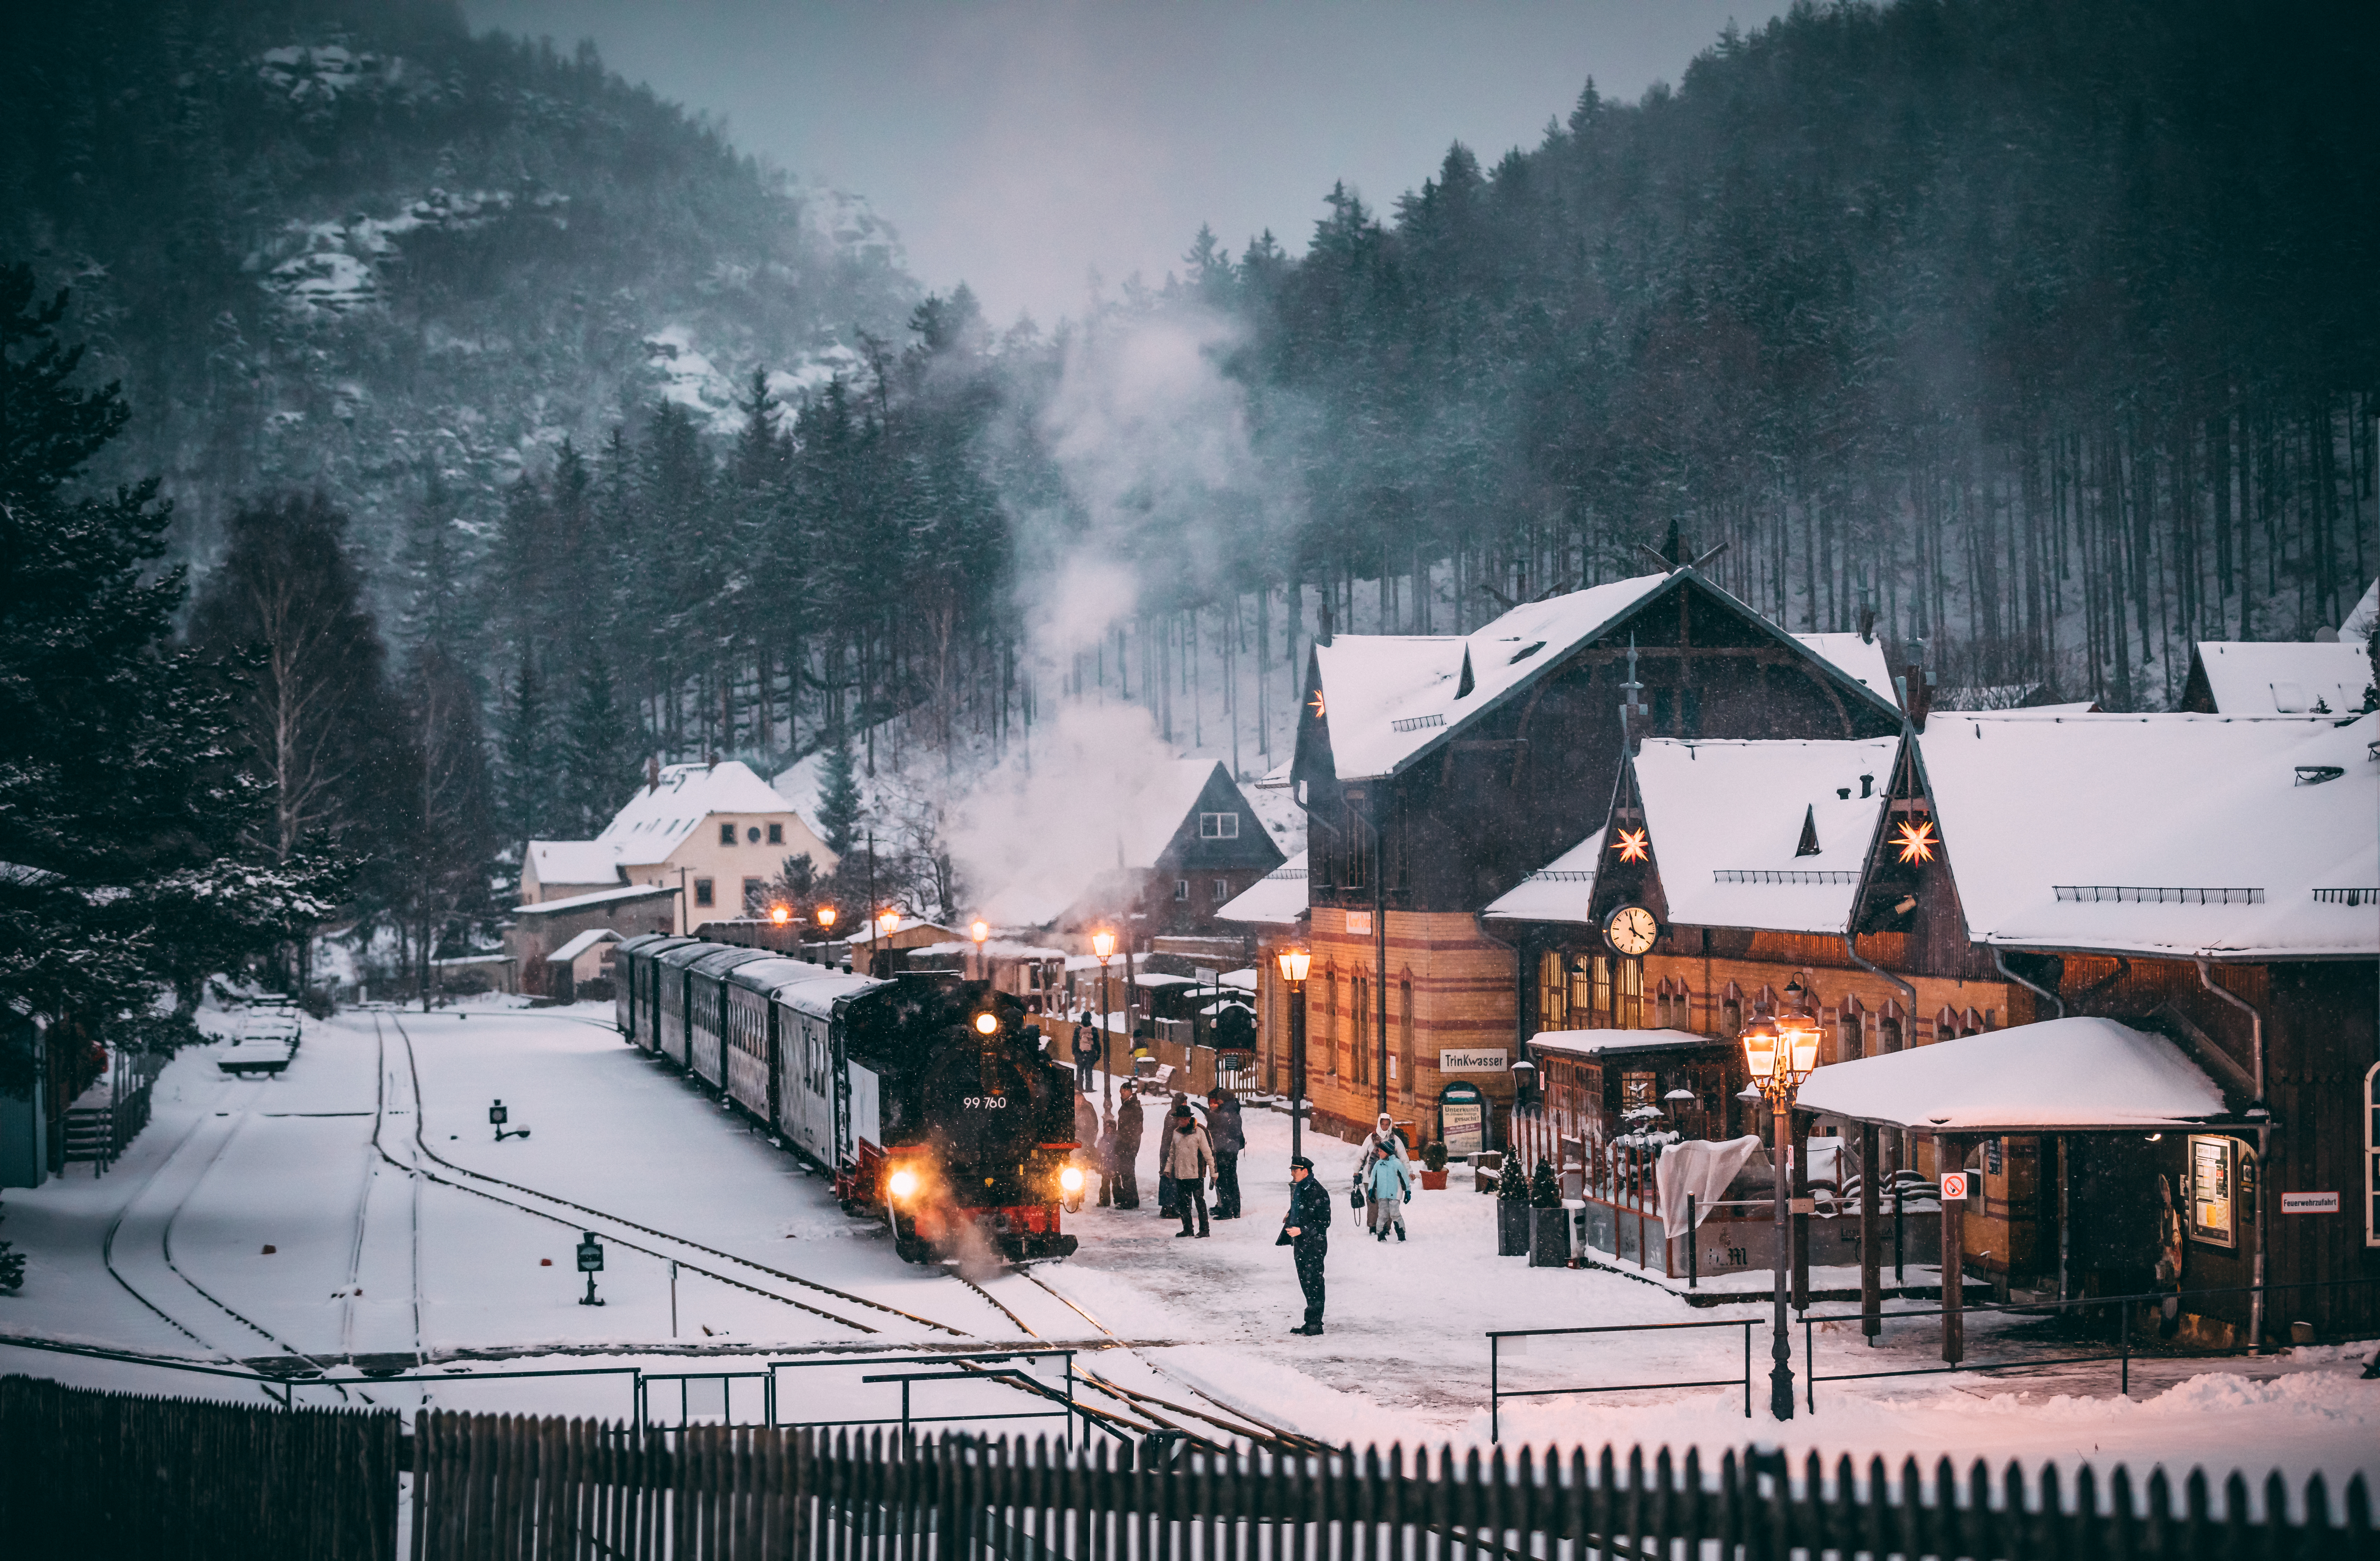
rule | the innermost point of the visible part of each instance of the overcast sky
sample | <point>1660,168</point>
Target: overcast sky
<point>1020,145</point>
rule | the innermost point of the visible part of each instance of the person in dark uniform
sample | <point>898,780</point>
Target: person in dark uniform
<point>1306,1230</point>
<point>1130,1123</point>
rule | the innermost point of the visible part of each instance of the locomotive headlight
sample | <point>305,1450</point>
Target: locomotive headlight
<point>985,1024</point>
<point>901,1183</point>
<point>1070,1179</point>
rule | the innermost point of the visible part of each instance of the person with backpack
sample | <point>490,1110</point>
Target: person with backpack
<point>1087,1054</point>
<point>1229,1138</point>
<point>1306,1232</point>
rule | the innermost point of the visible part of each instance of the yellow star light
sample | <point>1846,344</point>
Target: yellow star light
<point>1917,843</point>
<point>1631,845</point>
<point>1316,703</point>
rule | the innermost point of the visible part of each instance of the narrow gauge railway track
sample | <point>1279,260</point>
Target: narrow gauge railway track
<point>595,1215</point>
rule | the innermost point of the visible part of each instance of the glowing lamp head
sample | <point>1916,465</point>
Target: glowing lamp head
<point>1294,963</point>
<point>1070,1179</point>
<point>1103,945</point>
<point>826,917</point>
<point>902,1184</point>
<point>985,1024</point>
<point>1760,1038</point>
<point>979,931</point>
<point>888,919</point>
<point>781,915</point>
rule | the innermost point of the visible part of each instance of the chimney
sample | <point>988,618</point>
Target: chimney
<point>1920,695</point>
<point>1867,623</point>
<point>652,772</point>
<point>710,760</point>
<point>1324,637</point>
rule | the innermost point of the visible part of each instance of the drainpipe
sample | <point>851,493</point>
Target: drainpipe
<point>2264,1117</point>
<point>1999,959</point>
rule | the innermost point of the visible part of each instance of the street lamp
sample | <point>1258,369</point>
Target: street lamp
<point>1103,945</point>
<point>880,929</point>
<point>1780,1053</point>
<point>979,931</point>
<point>825,915</point>
<point>1294,965</point>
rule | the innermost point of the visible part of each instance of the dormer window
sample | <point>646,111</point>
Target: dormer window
<point>1218,826</point>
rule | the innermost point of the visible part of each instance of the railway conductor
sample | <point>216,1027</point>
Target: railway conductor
<point>1306,1230</point>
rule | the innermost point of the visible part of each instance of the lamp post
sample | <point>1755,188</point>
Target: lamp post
<point>979,931</point>
<point>1294,965</point>
<point>881,928</point>
<point>825,915</point>
<point>1780,1053</point>
<point>1103,944</point>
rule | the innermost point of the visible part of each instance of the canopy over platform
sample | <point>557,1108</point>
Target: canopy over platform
<point>2063,1075</point>
<point>1617,1043</point>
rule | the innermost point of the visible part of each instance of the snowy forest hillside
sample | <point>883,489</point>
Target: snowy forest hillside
<point>352,246</point>
<point>2044,328</point>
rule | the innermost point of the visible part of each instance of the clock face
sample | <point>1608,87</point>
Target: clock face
<point>1632,929</point>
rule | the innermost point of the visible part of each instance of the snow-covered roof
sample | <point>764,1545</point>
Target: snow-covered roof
<point>1727,822</point>
<point>2249,678</point>
<point>1860,660</point>
<point>998,948</point>
<point>568,862</point>
<point>1561,890</point>
<point>1276,900</point>
<point>1166,796</point>
<point>1387,696</point>
<point>658,818</point>
<point>580,944</point>
<point>2059,1075</point>
<point>1278,776</point>
<point>2177,835</point>
<point>624,894</point>
<point>817,999</point>
<point>1604,1043</point>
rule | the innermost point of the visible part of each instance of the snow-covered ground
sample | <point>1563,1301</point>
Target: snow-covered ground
<point>265,1221</point>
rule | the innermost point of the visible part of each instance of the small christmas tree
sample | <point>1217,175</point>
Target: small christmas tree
<point>1545,1188</point>
<point>1433,1156</point>
<point>1511,1182</point>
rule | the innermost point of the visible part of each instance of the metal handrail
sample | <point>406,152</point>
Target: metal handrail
<point>1498,1393</point>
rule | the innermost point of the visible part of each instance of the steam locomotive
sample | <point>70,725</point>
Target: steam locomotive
<point>924,1096</point>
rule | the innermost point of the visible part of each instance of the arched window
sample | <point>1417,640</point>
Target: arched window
<point>1731,1010</point>
<point>1329,1036</point>
<point>1889,1031</point>
<point>1851,1030</point>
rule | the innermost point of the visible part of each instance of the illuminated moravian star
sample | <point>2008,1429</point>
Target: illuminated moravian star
<point>1631,845</point>
<point>1916,841</point>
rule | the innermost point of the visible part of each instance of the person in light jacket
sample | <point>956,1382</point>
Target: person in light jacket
<point>1189,1159</point>
<point>1384,1133</point>
<point>1087,1054</point>
<point>1224,1131</point>
<point>1386,1182</point>
<point>1306,1230</point>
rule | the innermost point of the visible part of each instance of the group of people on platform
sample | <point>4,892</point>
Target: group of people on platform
<point>1200,1147</point>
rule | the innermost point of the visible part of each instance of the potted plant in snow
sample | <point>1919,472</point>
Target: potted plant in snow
<point>1433,1168</point>
<point>1548,1221</point>
<point>1511,1209</point>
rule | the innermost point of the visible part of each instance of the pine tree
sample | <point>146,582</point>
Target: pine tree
<point>127,804</point>
<point>599,755</point>
<point>526,757</point>
<point>440,843</point>
<point>839,807</point>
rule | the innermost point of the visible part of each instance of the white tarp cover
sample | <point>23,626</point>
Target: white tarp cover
<point>1699,1166</point>
<point>1374,684</point>
<point>1725,820</point>
<point>2105,833</point>
<point>2061,1075</point>
<point>1276,900</point>
<point>2261,678</point>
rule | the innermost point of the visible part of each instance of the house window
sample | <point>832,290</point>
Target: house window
<point>1406,1034</point>
<point>752,835</point>
<point>1218,826</point>
<point>1359,1014</point>
<point>755,891</point>
<point>1553,990</point>
<point>727,834</point>
<point>1628,1008</point>
<point>1222,891</point>
<point>777,834</point>
<point>1182,888</point>
<point>702,891</point>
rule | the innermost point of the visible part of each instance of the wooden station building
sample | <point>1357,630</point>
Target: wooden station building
<point>1439,771</point>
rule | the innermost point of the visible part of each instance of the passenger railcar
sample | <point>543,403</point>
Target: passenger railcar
<point>924,1095</point>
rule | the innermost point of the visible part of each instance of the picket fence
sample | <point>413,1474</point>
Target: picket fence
<point>497,1488</point>
<point>97,1476</point>
<point>101,1476</point>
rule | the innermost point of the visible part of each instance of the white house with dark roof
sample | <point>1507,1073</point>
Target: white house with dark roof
<point>717,831</point>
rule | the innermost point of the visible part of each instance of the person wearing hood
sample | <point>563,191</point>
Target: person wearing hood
<point>1130,1124</point>
<point>1384,1135</point>
<point>1386,1182</point>
<point>1229,1138</point>
<point>1306,1232</point>
<point>1189,1159</point>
